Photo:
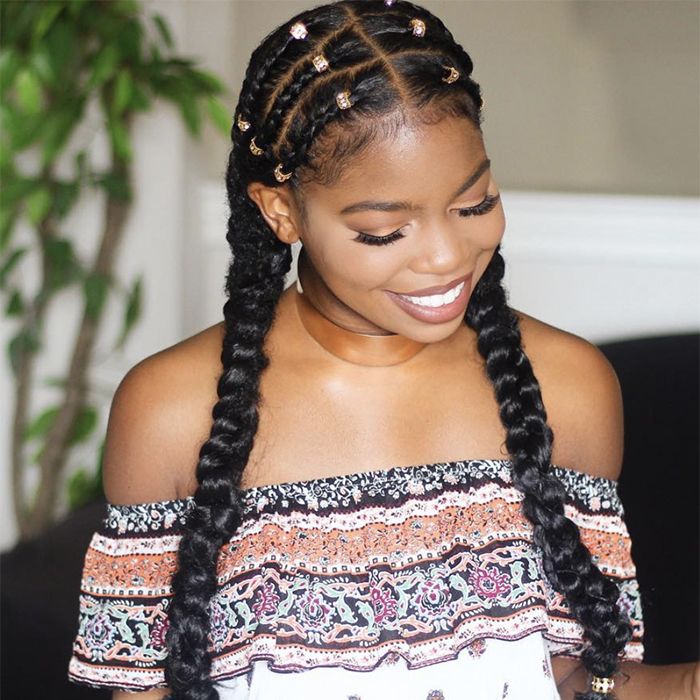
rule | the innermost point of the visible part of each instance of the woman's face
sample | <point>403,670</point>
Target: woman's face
<point>414,184</point>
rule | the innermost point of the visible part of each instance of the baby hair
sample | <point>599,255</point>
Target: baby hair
<point>319,90</point>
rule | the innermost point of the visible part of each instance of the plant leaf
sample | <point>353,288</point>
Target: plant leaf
<point>132,311</point>
<point>122,91</point>
<point>10,63</point>
<point>65,195</point>
<point>115,185</point>
<point>59,125</point>
<point>120,139</point>
<point>29,92</point>
<point>64,266</point>
<point>47,14</point>
<point>15,304</point>
<point>139,100</point>
<point>164,31</point>
<point>38,204</point>
<point>219,115</point>
<point>41,423</point>
<point>83,488</point>
<point>87,488</point>
<point>12,259</point>
<point>190,111</point>
<point>105,65</point>
<point>8,216</point>
<point>207,82</point>
<point>26,341</point>
<point>95,288</point>
<point>64,49</point>
<point>14,188</point>
<point>84,425</point>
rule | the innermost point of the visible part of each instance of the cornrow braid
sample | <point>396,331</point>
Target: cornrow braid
<point>341,52</point>
<point>380,64</point>
<point>263,58</point>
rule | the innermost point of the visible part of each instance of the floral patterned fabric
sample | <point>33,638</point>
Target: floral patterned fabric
<point>403,568</point>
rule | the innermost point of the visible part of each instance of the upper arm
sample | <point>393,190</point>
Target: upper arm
<point>595,416</point>
<point>159,418</point>
<point>582,397</point>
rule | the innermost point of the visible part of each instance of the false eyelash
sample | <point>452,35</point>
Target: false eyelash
<point>485,206</point>
<point>379,240</point>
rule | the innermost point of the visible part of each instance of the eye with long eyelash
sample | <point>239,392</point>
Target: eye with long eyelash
<point>485,206</point>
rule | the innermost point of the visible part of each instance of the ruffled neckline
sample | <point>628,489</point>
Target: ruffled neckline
<point>365,488</point>
<point>387,472</point>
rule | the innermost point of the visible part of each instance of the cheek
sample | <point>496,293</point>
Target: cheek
<point>346,264</point>
<point>489,238</point>
<point>491,233</point>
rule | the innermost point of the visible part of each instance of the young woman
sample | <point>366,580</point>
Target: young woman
<point>382,481</point>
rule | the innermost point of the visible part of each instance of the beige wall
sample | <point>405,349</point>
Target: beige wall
<point>582,95</point>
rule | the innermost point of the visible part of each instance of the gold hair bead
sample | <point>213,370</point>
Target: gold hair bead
<point>298,30</point>
<point>279,175</point>
<point>454,74</point>
<point>418,27</point>
<point>320,63</point>
<point>243,125</point>
<point>255,150</point>
<point>602,685</point>
<point>342,99</point>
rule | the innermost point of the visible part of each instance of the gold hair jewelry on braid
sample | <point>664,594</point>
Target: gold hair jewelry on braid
<point>454,74</point>
<point>602,685</point>
<point>279,175</point>
<point>418,27</point>
<point>298,30</point>
<point>342,99</point>
<point>320,63</point>
<point>255,150</point>
<point>242,124</point>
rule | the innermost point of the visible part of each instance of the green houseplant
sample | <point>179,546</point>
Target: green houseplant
<point>56,59</point>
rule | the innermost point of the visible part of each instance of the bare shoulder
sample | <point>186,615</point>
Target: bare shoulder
<point>582,397</point>
<point>159,418</point>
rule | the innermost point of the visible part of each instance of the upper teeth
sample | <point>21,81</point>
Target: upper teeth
<point>436,300</point>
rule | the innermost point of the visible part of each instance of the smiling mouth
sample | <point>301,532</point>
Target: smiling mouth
<point>435,301</point>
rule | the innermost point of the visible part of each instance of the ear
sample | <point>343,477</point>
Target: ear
<point>278,208</point>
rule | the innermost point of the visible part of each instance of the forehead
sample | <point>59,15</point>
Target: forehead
<point>416,162</point>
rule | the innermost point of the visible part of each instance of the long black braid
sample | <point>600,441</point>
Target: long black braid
<point>293,115</point>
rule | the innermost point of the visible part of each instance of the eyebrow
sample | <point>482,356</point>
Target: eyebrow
<point>369,204</point>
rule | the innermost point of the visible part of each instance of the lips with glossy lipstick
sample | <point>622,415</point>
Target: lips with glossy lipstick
<point>434,307</point>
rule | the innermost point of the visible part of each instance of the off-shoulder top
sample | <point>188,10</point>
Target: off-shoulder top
<point>405,582</point>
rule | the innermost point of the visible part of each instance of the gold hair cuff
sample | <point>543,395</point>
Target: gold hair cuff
<point>279,175</point>
<point>454,74</point>
<point>320,63</point>
<point>243,125</point>
<point>342,99</point>
<point>418,26</point>
<point>298,30</point>
<point>254,148</point>
<point>602,685</point>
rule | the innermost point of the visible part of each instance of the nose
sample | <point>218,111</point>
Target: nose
<point>440,249</point>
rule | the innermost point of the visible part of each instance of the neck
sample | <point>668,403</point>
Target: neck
<point>351,346</point>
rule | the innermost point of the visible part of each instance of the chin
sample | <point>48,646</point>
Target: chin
<point>425,332</point>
